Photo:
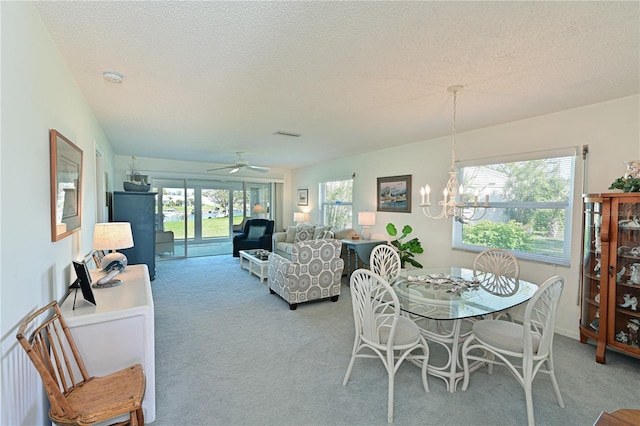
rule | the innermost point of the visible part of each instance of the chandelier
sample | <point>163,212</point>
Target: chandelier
<point>453,202</point>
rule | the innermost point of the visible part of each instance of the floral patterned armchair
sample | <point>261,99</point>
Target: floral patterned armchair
<point>314,272</point>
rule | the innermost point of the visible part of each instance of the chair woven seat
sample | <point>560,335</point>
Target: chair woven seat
<point>97,398</point>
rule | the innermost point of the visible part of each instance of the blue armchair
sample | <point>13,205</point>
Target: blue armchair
<point>257,234</point>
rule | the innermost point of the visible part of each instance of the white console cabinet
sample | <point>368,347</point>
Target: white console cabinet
<point>118,331</point>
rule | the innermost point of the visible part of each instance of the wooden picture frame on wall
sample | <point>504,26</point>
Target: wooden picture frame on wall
<point>394,194</point>
<point>303,197</point>
<point>66,186</point>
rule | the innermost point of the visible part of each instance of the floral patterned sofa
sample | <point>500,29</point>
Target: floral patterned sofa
<point>314,272</point>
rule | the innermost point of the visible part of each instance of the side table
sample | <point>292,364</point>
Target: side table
<point>361,249</point>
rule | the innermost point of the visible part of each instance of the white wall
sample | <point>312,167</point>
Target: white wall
<point>611,129</point>
<point>38,93</point>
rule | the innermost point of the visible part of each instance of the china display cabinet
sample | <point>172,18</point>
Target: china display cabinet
<point>610,280</point>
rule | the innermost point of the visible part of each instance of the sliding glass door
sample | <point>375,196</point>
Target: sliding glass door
<point>199,216</point>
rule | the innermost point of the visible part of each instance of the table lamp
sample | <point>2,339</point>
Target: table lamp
<point>299,217</point>
<point>112,236</point>
<point>366,219</point>
<point>258,210</point>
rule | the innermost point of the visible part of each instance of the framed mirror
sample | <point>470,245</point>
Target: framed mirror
<point>66,185</point>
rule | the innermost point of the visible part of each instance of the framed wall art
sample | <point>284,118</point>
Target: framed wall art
<point>303,197</point>
<point>394,194</point>
<point>66,186</point>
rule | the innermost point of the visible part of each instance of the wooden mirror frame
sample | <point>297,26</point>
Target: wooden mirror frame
<point>66,186</point>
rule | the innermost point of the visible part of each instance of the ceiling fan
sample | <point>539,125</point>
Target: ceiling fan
<point>240,164</point>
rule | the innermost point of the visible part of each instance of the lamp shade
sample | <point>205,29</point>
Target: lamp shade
<point>257,208</point>
<point>366,218</point>
<point>299,217</point>
<point>112,236</point>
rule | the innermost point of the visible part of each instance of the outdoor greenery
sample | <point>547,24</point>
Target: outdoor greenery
<point>525,226</point>
<point>337,203</point>
<point>510,235</point>
<point>535,181</point>
<point>406,249</point>
<point>213,227</point>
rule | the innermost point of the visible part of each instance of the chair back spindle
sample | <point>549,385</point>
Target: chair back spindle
<point>385,261</point>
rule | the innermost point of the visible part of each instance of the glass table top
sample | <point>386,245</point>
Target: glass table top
<point>450,293</point>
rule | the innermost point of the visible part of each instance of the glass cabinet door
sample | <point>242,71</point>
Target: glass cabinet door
<point>623,330</point>
<point>592,268</point>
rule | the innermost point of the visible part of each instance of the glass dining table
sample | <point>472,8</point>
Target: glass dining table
<point>441,300</point>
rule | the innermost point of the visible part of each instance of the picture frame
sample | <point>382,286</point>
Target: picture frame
<point>394,194</point>
<point>66,186</point>
<point>83,282</point>
<point>303,197</point>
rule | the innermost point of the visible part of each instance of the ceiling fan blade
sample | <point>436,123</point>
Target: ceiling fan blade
<point>235,169</point>
<point>258,169</point>
<point>221,168</point>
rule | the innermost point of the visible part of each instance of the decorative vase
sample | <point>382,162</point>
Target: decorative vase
<point>136,187</point>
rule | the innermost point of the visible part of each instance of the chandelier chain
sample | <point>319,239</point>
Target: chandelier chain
<point>453,142</point>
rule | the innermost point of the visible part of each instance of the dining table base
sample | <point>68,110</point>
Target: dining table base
<point>445,302</point>
<point>448,335</point>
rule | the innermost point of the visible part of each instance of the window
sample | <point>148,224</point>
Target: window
<point>530,207</point>
<point>335,202</point>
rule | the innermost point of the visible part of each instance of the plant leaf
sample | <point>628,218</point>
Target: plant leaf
<point>391,229</point>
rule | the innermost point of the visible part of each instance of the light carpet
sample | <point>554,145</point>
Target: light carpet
<point>230,353</point>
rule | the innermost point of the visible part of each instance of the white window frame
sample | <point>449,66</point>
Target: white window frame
<point>568,206</point>
<point>323,203</point>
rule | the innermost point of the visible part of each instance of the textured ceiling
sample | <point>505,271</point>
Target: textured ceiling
<point>206,79</point>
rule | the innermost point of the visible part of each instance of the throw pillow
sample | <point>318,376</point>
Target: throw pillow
<point>304,233</point>
<point>325,235</point>
<point>344,234</point>
<point>319,230</point>
<point>256,232</point>
<point>291,234</point>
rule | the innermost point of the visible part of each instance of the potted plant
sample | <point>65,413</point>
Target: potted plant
<point>406,249</point>
<point>630,182</point>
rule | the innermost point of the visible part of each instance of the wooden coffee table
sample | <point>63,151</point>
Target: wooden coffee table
<point>254,262</point>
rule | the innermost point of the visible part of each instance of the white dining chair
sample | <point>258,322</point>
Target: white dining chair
<point>381,332</point>
<point>497,270</point>
<point>529,344</point>
<point>385,261</point>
